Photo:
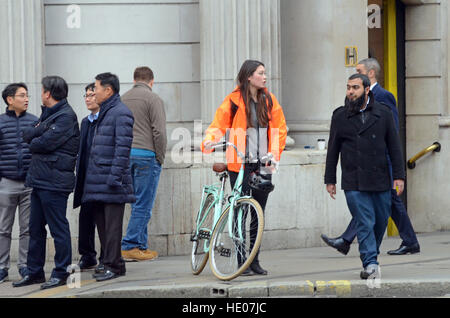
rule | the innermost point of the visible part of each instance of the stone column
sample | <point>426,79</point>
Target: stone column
<point>427,99</point>
<point>231,32</point>
<point>21,56</point>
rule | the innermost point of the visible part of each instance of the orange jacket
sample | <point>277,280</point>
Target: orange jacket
<point>222,121</point>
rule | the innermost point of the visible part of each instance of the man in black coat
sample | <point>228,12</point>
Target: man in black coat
<point>15,158</point>
<point>54,145</point>
<point>362,132</point>
<point>86,221</point>
<point>108,180</point>
<point>399,215</point>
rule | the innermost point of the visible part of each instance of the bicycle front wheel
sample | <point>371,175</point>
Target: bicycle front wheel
<point>236,239</point>
<point>201,236</point>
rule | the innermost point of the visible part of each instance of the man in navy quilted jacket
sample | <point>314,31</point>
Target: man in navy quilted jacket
<point>15,160</point>
<point>108,180</point>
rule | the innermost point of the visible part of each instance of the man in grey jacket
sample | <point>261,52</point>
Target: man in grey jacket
<point>146,160</point>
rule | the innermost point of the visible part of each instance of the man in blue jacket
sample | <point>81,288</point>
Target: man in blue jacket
<point>86,221</point>
<point>371,68</point>
<point>15,159</point>
<point>109,179</point>
<point>54,146</point>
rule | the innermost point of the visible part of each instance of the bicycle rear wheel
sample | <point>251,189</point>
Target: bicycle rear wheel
<point>236,239</point>
<point>201,236</point>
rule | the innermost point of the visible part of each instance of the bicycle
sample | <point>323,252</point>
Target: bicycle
<point>228,229</point>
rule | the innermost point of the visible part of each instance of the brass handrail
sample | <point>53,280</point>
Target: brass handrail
<point>436,147</point>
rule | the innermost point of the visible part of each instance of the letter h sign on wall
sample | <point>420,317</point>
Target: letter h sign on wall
<point>351,56</point>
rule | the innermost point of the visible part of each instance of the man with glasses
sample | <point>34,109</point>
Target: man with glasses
<point>86,223</point>
<point>15,159</point>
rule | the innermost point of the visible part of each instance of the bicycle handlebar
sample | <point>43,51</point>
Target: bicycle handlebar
<point>227,143</point>
<point>269,158</point>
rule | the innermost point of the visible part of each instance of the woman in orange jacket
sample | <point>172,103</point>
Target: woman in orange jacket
<point>255,123</point>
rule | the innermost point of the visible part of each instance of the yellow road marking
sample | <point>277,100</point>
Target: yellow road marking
<point>57,290</point>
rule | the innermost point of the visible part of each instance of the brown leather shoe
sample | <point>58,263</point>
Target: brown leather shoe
<point>150,252</point>
<point>136,255</point>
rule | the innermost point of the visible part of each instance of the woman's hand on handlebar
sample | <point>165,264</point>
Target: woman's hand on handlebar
<point>208,144</point>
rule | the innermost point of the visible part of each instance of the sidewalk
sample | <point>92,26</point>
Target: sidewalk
<point>308,272</point>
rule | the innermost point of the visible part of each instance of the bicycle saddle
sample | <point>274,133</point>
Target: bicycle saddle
<point>219,167</point>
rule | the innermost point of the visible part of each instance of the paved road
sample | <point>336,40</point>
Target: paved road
<point>307,272</point>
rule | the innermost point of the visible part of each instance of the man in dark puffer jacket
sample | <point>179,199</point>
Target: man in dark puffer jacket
<point>15,159</point>
<point>54,144</point>
<point>108,180</point>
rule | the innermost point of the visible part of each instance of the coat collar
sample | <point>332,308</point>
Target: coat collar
<point>48,111</point>
<point>107,105</point>
<point>13,113</point>
<point>141,84</point>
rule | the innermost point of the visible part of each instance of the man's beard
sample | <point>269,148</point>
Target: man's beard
<point>355,105</point>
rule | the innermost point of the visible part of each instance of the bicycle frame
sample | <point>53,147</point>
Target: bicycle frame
<point>218,194</point>
<point>218,191</point>
<point>235,195</point>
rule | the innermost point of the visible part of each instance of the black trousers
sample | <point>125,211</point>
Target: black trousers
<point>109,219</point>
<point>49,207</point>
<point>260,196</point>
<point>86,231</point>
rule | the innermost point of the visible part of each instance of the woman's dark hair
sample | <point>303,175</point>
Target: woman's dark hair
<point>11,90</point>
<point>111,80</point>
<point>263,107</point>
<point>57,87</point>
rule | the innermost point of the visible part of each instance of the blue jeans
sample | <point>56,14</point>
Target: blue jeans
<point>371,211</point>
<point>400,217</point>
<point>145,172</point>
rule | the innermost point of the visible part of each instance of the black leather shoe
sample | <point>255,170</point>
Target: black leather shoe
<point>100,269</point>
<point>28,280</point>
<point>403,250</point>
<point>53,282</point>
<point>106,276</point>
<point>257,269</point>
<point>247,272</point>
<point>87,264</point>
<point>338,243</point>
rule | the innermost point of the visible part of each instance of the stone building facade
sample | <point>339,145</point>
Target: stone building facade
<point>196,48</point>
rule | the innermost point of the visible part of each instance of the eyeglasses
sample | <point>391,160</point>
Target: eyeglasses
<point>89,96</point>
<point>23,96</point>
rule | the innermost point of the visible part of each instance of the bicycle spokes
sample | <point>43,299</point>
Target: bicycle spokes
<point>236,238</point>
<point>202,235</point>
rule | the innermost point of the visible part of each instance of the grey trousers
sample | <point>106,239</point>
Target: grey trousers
<point>13,195</point>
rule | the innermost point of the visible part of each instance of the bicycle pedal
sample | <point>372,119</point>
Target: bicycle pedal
<point>225,252</point>
<point>206,235</point>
